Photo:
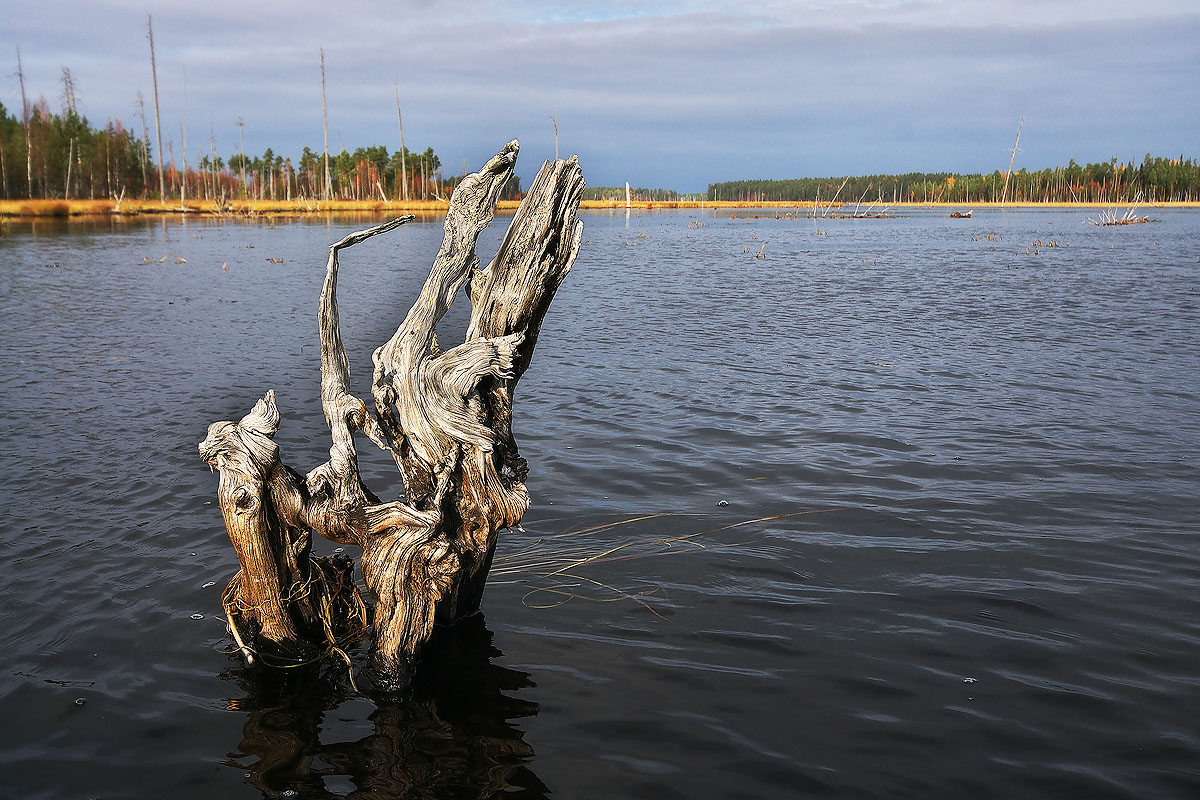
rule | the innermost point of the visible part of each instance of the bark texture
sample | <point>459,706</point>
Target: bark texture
<point>444,416</point>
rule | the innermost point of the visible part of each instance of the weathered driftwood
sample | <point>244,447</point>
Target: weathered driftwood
<point>299,606</point>
<point>445,417</point>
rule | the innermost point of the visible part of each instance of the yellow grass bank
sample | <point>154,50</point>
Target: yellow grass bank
<point>82,209</point>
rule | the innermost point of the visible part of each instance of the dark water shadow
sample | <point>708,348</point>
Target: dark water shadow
<point>451,736</point>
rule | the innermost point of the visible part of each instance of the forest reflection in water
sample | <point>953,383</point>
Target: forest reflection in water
<point>451,735</point>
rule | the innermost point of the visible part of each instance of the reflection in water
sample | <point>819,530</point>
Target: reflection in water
<point>451,737</point>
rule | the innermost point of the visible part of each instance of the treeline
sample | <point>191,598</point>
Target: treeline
<point>44,154</point>
<point>62,155</point>
<point>618,193</point>
<point>1155,180</point>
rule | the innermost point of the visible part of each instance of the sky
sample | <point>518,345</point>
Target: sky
<point>672,94</point>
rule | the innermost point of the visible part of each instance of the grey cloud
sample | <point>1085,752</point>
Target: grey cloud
<point>698,92</point>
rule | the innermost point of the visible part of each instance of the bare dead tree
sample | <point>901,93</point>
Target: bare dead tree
<point>1011,159</point>
<point>162,177</point>
<point>325,122</point>
<point>445,418</point>
<point>69,102</point>
<point>241,125</point>
<point>70,161</point>
<point>70,110</point>
<point>3,170</point>
<point>403,152</point>
<point>25,120</point>
<point>212,154</point>
<point>144,144</point>
<point>183,146</point>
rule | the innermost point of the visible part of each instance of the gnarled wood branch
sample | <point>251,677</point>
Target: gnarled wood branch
<point>445,417</point>
<point>282,595</point>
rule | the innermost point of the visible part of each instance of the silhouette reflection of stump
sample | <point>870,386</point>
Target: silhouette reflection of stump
<point>450,737</point>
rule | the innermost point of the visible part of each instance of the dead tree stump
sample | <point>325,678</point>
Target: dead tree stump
<point>446,419</point>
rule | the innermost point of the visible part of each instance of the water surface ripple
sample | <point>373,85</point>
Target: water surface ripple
<point>905,508</point>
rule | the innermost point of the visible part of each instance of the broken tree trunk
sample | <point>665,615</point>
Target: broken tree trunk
<point>446,419</point>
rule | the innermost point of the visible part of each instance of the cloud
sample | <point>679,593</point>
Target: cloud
<point>674,94</point>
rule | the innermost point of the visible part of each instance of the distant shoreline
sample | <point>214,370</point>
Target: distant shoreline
<point>808,204</point>
<point>70,209</point>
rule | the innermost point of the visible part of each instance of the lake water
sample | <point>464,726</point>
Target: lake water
<point>905,508</point>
